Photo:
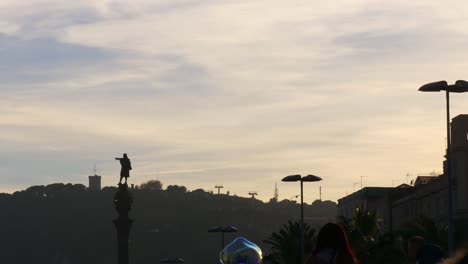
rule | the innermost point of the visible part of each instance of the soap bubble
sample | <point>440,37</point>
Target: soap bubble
<point>241,251</point>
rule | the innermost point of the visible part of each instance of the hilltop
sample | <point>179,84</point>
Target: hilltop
<point>66,223</point>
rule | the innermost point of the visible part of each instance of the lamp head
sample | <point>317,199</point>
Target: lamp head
<point>311,178</point>
<point>215,229</point>
<point>172,260</point>
<point>229,229</point>
<point>292,178</point>
<point>434,87</point>
<point>460,86</point>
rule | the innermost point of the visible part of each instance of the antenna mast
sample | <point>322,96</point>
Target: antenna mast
<point>354,186</point>
<point>361,180</point>
<point>276,196</point>
<point>94,169</point>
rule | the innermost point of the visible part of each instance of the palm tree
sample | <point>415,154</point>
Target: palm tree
<point>432,231</point>
<point>366,224</point>
<point>363,231</point>
<point>285,244</point>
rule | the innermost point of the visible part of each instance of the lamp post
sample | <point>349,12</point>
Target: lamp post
<point>361,180</point>
<point>460,86</point>
<point>222,230</point>
<point>299,178</point>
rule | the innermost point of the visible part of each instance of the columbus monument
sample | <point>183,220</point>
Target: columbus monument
<point>123,200</point>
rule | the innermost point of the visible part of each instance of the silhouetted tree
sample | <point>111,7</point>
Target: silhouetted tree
<point>285,244</point>
<point>432,231</point>
<point>387,250</point>
<point>47,224</point>
<point>176,189</point>
<point>151,185</point>
<point>363,232</point>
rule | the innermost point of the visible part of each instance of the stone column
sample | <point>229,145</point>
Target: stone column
<point>123,202</point>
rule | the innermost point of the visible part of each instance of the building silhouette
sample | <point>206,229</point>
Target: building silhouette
<point>94,182</point>
<point>459,164</point>
<point>428,196</point>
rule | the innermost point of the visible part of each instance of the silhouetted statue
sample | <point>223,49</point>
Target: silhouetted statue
<point>126,168</point>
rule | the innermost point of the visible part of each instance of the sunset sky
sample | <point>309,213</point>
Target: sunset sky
<point>238,93</point>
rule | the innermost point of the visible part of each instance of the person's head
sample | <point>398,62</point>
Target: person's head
<point>125,155</point>
<point>332,236</point>
<point>414,244</point>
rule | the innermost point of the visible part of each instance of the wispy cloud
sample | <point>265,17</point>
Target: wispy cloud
<point>238,92</point>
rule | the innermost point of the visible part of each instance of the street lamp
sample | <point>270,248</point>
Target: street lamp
<point>222,230</point>
<point>308,178</point>
<point>460,86</point>
<point>172,260</point>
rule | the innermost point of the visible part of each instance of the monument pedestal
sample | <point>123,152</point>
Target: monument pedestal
<point>123,200</point>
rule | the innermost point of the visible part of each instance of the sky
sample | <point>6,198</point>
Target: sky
<point>235,93</point>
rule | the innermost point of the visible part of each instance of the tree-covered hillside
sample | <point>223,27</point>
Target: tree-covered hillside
<point>61,223</point>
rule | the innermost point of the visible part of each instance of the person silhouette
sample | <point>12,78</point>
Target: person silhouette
<point>415,243</point>
<point>332,247</point>
<point>126,168</point>
<point>430,254</point>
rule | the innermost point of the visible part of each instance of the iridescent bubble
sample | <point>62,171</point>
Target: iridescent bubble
<point>241,251</point>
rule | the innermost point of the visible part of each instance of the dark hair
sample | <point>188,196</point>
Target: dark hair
<point>415,243</point>
<point>334,237</point>
<point>429,254</point>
